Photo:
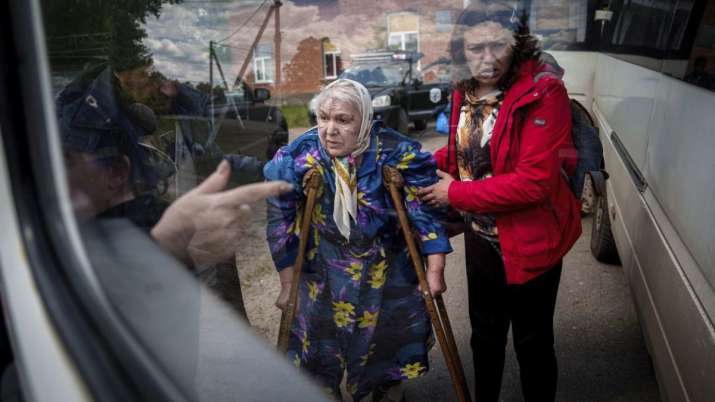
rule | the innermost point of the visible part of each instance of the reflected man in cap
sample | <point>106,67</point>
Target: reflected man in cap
<point>111,175</point>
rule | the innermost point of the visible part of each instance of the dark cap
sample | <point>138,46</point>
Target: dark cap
<point>92,120</point>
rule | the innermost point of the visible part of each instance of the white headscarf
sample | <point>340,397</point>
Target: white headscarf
<point>344,168</point>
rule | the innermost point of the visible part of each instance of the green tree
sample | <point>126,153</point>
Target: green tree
<point>89,31</point>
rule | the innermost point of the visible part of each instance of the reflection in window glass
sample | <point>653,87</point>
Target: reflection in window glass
<point>701,63</point>
<point>377,73</point>
<point>332,60</point>
<point>561,24</point>
<point>680,20</point>
<point>403,31</point>
<point>153,95</point>
<point>643,24</point>
<point>263,63</point>
<point>404,41</point>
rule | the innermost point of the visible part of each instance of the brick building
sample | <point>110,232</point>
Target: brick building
<point>318,38</point>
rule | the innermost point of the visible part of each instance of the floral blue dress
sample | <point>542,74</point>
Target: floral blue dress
<point>359,305</point>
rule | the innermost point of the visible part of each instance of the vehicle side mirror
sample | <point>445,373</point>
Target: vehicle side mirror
<point>416,82</point>
<point>261,95</point>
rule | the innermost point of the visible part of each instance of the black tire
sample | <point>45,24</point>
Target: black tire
<point>420,125</point>
<point>603,246</point>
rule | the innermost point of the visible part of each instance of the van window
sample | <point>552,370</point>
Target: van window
<point>562,24</point>
<point>656,35</point>
<point>700,69</point>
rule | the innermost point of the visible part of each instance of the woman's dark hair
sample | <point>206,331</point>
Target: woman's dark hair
<point>525,48</point>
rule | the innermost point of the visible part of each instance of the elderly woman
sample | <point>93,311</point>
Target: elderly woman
<point>359,309</point>
<point>510,142</point>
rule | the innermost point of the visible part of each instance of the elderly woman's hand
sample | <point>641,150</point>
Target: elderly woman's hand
<point>204,226</point>
<point>437,195</point>
<point>435,274</point>
<point>286,276</point>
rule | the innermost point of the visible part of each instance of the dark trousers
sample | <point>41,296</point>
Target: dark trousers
<point>493,306</point>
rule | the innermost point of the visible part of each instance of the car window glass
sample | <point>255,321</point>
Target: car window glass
<point>693,43</point>
<point>154,97</point>
<point>645,33</point>
<point>562,25</point>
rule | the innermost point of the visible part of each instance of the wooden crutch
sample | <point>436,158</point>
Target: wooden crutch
<point>394,181</point>
<point>312,184</point>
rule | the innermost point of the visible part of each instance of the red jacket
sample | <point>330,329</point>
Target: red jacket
<point>537,215</point>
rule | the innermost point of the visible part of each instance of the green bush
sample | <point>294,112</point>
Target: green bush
<point>296,115</point>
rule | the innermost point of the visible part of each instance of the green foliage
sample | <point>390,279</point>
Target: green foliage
<point>296,115</point>
<point>88,31</point>
<point>205,87</point>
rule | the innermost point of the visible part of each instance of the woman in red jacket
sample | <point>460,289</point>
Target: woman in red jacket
<point>504,170</point>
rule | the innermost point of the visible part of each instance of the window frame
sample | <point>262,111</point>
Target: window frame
<point>403,41</point>
<point>403,34</point>
<point>635,54</point>
<point>592,28</point>
<point>266,73</point>
<point>334,55</point>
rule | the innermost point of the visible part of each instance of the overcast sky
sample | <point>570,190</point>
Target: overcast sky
<point>179,39</point>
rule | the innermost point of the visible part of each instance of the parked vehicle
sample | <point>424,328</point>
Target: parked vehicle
<point>399,97</point>
<point>632,65</point>
<point>100,313</point>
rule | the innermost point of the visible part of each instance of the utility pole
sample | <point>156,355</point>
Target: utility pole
<point>277,41</point>
<point>211,81</point>
<point>276,5</point>
<point>227,89</point>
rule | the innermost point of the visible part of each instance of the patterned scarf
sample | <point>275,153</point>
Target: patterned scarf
<point>474,133</point>
<point>345,168</point>
<point>345,202</point>
<point>475,128</point>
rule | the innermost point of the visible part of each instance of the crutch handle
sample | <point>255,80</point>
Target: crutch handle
<point>392,176</point>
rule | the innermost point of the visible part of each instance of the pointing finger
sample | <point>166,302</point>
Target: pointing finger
<point>251,193</point>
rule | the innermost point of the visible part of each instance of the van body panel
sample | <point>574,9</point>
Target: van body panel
<point>683,319</point>
<point>625,95</point>
<point>681,166</point>
<point>579,69</point>
<point>664,230</point>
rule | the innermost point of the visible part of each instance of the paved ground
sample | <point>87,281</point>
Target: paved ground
<point>599,344</point>
<point>600,348</point>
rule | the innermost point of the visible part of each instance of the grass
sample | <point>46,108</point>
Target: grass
<point>296,115</point>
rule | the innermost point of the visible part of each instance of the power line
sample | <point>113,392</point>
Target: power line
<point>244,23</point>
<point>232,46</point>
